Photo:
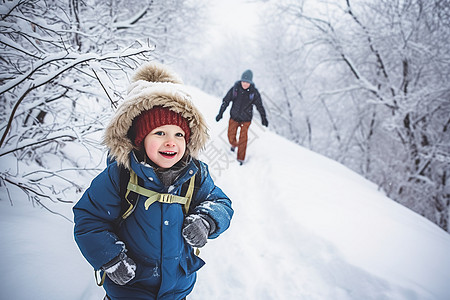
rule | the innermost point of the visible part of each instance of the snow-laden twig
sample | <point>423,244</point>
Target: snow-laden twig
<point>133,20</point>
<point>75,60</point>
<point>16,47</point>
<point>22,146</point>
<point>104,89</point>
<point>22,185</point>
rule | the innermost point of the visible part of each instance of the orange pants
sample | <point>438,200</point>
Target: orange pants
<point>241,144</point>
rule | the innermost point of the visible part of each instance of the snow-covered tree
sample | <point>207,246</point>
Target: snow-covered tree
<point>376,75</point>
<point>64,66</point>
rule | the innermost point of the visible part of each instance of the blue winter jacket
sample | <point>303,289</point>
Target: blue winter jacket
<point>166,264</point>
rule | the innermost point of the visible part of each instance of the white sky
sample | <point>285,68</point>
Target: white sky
<point>234,14</point>
<point>233,17</point>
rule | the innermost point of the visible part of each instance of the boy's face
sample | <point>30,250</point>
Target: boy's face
<point>245,85</point>
<point>165,145</point>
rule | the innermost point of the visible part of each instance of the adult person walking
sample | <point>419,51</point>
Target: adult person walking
<point>243,95</point>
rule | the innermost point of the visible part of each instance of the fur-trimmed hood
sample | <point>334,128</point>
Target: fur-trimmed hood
<point>153,85</point>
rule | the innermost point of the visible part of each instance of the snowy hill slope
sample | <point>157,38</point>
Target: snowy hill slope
<point>305,227</point>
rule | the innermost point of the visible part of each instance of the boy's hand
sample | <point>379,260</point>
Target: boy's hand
<point>196,230</point>
<point>121,269</point>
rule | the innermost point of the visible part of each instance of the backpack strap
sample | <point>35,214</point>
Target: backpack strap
<point>152,195</point>
<point>129,197</point>
<point>190,193</point>
<point>131,186</point>
<point>235,90</point>
<point>196,181</point>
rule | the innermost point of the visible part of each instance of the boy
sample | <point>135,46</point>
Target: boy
<point>244,95</point>
<point>156,134</point>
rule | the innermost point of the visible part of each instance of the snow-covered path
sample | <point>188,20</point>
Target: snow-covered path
<point>305,227</point>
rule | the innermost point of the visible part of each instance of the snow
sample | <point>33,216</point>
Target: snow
<point>305,227</point>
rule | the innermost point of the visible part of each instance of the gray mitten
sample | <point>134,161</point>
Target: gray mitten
<point>196,229</point>
<point>121,269</point>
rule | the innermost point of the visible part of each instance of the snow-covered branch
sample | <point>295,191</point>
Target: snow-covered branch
<point>73,60</point>
<point>22,146</point>
<point>380,72</point>
<point>64,67</point>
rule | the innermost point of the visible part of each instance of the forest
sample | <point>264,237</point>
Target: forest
<point>363,82</point>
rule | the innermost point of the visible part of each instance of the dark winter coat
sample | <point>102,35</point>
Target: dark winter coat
<point>243,101</point>
<point>166,264</point>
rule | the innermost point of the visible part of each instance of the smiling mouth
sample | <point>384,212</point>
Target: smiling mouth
<point>168,154</point>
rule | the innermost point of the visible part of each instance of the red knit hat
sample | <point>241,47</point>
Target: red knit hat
<point>155,117</point>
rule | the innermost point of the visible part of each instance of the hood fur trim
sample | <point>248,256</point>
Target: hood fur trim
<point>166,90</point>
<point>154,72</point>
